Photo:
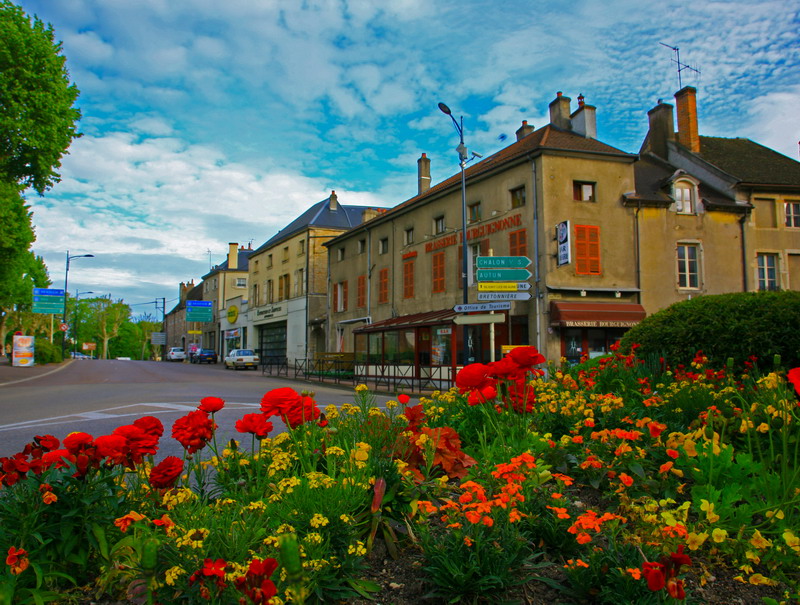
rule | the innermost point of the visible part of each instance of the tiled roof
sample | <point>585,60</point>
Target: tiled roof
<point>243,261</point>
<point>750,162</point>
<point>321,215</point>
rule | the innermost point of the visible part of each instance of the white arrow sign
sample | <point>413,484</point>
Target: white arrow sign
<point>504,295</point>
<point>471,308</point>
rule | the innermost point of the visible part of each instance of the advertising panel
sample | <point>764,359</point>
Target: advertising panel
<point>23,350</point>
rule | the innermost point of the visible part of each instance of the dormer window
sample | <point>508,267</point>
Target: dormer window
<point>685,199</point>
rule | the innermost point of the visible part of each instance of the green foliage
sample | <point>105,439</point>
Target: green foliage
<point>37,120</point>
<point>736,325</point>
<point>47,352</point>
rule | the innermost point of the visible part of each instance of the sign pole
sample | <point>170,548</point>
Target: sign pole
<point>491,326</point>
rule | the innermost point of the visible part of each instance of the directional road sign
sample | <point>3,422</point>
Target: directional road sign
<point>498,262</point>
<point>498,306</point>
<point>48,300</point>
<point>198,310</point>
<point>485,318</point>
<point>501,286</point>
<point>504,295</point>
<point>503,274</point>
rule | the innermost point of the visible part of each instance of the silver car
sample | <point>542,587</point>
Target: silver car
<point>241,359</point>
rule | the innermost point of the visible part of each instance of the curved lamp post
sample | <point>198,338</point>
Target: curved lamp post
<point>462,156</point>
<point>66,279</point>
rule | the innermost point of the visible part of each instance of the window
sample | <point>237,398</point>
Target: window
<point>340,254</point>
<point>582,191</point>
<point>383,286</point>
<point>408,236</point>
<point>269,261</point>
<point>683,193</point>
<point>362,246</point>
<point>286,254</point>
<point>241,282</point>
<point>767,271</point>
<point>518,197</point>
<point>438,225</point>
<point>474,212</point>
<point>474,250</point>
<point>688,266</point>
<point>361,292</point>
<point>408,279</point>
<point>383,245</point>
<point>254,297</point>
<point>765,213</point>
<point>438,272</point>
<point>270,291</point>
<point>340,296</point>
<point>587,250</point>
<point>301,247</point>
<point>518,243</point>
<point>793,214</point>
<point>283,287</point>
<point>299,282</point>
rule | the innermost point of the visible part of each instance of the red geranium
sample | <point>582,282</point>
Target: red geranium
<point>150,425</point>
<point>255,584</point>
<point>139,442</point>
<point>303,411</point>
<point>526,356</point>
<point>77,442</point>
<point>278,401</point>
<point>47,442</point>
<point>474,376</point>
<point>194,430</point>
<point>113,447</point>
<point>166,472</point>
<point>59,458</point>
<point>403,398</point>
<point>793,376</point>
<point>483,395</point>
<point>211,404</point>
<point>255,424</point>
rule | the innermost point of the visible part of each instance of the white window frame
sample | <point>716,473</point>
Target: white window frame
<point>439,224</point>
<point>683,266</point>
<point>686,189</point>
<point>792,213</point>
<point>764,280</point>
<point>408,236</point>
<point>383,245</point>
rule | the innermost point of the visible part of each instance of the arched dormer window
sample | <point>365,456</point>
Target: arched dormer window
<point>684,193</point>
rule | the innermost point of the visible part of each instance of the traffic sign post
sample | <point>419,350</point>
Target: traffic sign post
<point>503,274</point>
<point>502,262</point>
<point>48,300</point>
<point>504,295</point>
<point>498,286</point>
<point>479,319</point>
<point>199,310</point>
<point>482,307</point>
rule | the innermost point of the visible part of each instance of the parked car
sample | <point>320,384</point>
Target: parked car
<point>176,354</point>
<point>205,356</point>
<point>241,358</point>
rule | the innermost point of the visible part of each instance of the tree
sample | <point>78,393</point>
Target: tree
<point>37,113</point>
<point>110,316</point>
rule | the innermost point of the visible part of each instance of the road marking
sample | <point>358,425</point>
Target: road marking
<point>58,369</point>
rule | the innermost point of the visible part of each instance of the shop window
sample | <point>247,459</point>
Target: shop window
<point>689,266</point>
<point>767,267</point>
<point>438,272</point>
<point>587,250</point>
<point>517,197</point>
<point>361,292</point>
<point>383,286</point>
<point>583,191</point>
<point>518,243</point>
<point>408,279</point>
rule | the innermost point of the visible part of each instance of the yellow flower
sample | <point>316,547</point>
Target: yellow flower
<point>719,535</point>
<point>709,508</point>
<point>358,549</point>
<point>775,513</point>
<point>335,450</point>
<point>758,580</point>
<point>791,540</point>
<point>172,574</point>
<point>361,388</point>
<point>331,411</point>
<point>760,541</point>
<point>751,556</point>
<point>763,427</point>
<point>695,541</point>
<point>690,447</point>
<point>318,520</point>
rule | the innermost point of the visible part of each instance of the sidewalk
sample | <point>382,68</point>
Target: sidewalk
<point>9,374</point>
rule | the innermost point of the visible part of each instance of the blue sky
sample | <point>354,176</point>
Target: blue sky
<point>208,122</point>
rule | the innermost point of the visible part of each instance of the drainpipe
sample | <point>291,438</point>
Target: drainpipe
<point>309,242</point>
<point>637,251</point>
<point>744,251</point>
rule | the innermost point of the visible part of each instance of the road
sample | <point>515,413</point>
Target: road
<point>98,396</point>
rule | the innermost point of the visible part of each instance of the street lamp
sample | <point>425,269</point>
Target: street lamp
<point>462,156</point>
<point>77,296</point>
<point>66,278</point>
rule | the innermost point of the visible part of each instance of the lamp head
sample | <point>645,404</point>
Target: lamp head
<point>445,109</point>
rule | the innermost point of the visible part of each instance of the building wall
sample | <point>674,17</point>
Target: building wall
<point>768,233</point>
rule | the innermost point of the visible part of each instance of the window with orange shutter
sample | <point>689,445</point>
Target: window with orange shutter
<point>408,279</point>
<point>438,272</point>
<point>361,293</point>
<point>383,286</point>
<point>587,250</point>
<point>518,243</point>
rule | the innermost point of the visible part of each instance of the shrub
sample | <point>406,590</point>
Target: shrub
<point>724,326</point>
<point>47,352</point>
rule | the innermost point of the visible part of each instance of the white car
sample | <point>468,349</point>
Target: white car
<point>241,358</point>
<point>176,354</point>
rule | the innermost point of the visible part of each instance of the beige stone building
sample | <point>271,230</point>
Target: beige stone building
<point>288,277</point>
<point>226,287</point>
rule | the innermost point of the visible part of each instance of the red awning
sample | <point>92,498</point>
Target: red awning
<point>595,314</point>
<point>410,321</point>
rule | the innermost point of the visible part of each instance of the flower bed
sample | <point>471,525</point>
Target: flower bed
<point>613,482</point>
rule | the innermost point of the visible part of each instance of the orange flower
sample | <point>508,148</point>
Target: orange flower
<point>514,515</point>
<point>565,479</point>
<point>673,454</point>
<point>125,521</point>
<point>488,521</point>
<point>635,572</point>
<point>560,512</point>
<point>577,439</point>
<point>626,479</point>
<point>556,495</point>
<point>17,560</point>
<point>468,541</point>
<point>49,498</point>
<point>623,448</point>
<point>473,516</point>
<point>664,468</point>
<point>589,422</point>
<point>583,538</point>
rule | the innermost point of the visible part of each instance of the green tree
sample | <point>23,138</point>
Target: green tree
<point>37,113</point>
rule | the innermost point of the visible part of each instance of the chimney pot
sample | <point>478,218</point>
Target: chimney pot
<point>423,174</point>
<point>524,130</point>
<point>686,103</point>
<point>559,112</point>
<point>332,200</point>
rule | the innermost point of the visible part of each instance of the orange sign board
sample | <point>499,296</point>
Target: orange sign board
<point>89,346</point>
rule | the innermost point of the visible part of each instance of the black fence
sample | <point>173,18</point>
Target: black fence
<point>386,377</point>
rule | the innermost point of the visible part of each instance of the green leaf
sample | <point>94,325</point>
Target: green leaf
<point>638,470</point>
<point>364,587</point>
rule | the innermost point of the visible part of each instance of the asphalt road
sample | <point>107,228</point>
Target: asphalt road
<point>98,396</point>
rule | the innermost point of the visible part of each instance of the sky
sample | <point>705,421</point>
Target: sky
<point>208,122</point>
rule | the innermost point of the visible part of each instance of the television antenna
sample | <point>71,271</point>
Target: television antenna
<point>680,66</point>
<point>208,251</point>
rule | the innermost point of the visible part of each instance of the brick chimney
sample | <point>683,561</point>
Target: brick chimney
<point>662,129</point>
<point>233,255</point>
<point>686,102</point>
<point>333,201</point>
<point>584,119</point>
<point>423,174</point>
<point>184,289</point>
<point>524,130</point>
<point>559,111</point>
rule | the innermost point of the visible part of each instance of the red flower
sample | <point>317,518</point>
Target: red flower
<point>211,404</point>
<point>194,430</point>
<point>473,376</point>
<point>278,401</point>
<point>150,425</point>
<point>47,442</point>
<point>166,472</point>
<point>255,584</point>
<point>255,424</point>
<point>678,558</point>
<point>793,376</point>
<point>526,356</point>
<point>214,568</point>
<point>654,574</point>
<point>303,411</point>
<point>675,589</point>
<point>113,447</point>
<point>77,442</point>
<point>403,398</point>
<point>17,560</point>
<point>61,458</point>
<point>483,395</point>
<point>139,442</point>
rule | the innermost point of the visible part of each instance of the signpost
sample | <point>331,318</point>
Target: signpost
<point>499,286</point>
<point>198,310</point>
<point>503,274</point>
<point>48,300</point>
<point>504,295</point>
<point>479,307</point>
<point>502,262</point>
<point>486,318</point>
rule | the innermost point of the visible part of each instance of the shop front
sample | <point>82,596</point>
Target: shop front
<point>588,329</point>
<point>270,323</point>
